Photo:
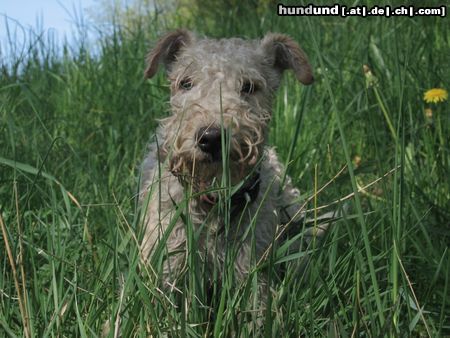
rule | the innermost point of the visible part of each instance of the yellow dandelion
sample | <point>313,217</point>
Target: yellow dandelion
<point>429,113</point>
<point>435,95</point>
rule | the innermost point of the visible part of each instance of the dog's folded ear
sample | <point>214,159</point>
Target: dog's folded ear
<point>284,53</point>
<point>166,50</point>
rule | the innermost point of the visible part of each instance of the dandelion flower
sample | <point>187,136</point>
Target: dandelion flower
<point>429,113</point>
<point>435,95</point>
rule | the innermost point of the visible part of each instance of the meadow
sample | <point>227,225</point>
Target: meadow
<point>74,126</point>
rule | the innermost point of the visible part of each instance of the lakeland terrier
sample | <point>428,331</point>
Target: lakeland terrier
<point>209,171</point>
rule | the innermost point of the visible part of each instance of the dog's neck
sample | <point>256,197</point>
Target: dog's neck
<point>245,195</point>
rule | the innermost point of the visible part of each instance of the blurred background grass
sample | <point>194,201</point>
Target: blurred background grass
<point>75,122</point>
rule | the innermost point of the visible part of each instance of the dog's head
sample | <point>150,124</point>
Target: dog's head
<point>221,98</point>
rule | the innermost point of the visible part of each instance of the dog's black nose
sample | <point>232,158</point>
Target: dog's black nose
<point>209,141</point>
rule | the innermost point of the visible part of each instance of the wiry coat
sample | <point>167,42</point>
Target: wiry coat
<point>228,85</point>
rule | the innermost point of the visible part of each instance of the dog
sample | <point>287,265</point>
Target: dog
<point>209,170</point>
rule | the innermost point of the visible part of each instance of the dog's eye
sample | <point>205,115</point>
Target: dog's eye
<point>248,88</point>
<point>186,84</point>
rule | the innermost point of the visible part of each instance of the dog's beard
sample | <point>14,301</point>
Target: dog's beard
<point>206,176</point>
<point>206,179</point>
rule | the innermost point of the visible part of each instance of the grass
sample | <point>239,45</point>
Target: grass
<point>74,127</point>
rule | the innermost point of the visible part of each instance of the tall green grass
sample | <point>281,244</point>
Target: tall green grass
<point>74,126</point>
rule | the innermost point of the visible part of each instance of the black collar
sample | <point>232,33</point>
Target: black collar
<point>245,195</point>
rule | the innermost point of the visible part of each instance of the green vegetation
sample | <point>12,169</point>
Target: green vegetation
<point>74,125</point>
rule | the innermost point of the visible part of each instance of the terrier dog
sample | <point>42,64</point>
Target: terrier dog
<point>209,170</point>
